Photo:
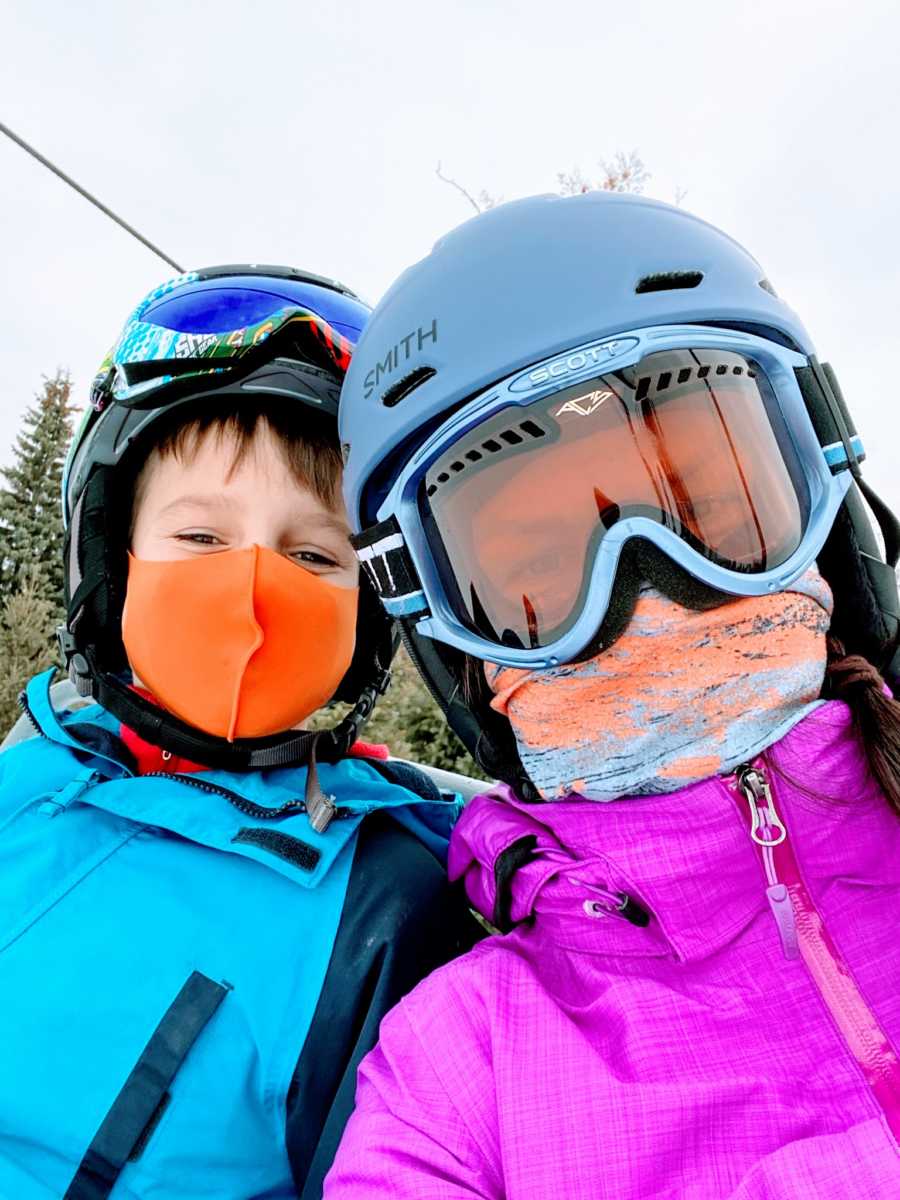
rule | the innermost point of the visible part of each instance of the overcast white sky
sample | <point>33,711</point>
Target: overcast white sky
<point>309,135</point>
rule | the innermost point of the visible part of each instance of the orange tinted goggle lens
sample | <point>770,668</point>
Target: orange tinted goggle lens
<point>692,440</point>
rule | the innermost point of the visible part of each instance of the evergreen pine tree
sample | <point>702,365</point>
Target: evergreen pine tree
<point>26,645</point>
<point>31,533</point>
<point>409,722</point>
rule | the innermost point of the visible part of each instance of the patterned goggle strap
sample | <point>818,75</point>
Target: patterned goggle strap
<point>841,445</point>
<point>338,348</point>
<point>149,356</point>
<point>385,559</point>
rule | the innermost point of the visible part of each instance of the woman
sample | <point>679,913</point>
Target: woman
<point>612,499</point>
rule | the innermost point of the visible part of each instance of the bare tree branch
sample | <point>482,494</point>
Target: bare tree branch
<point>626,173</point>
<point>572,183</point>
<point>459,187</point>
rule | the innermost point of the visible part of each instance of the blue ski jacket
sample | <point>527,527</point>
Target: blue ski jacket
<point>183,993</point>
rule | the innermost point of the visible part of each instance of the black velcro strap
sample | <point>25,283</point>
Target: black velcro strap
<point>385,559</point>
<point>507,863</point>
<point>145,1089</point>
<point>283,845</point>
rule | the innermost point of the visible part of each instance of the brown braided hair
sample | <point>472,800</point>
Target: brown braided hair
<point>876,714</point>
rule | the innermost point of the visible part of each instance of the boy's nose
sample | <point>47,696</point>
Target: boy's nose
<point>262,542</point>
<point>259,532</point>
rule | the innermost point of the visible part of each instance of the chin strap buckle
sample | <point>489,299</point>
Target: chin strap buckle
<point>369,697</point>
<point>382,681</point>
<point>74,661</point>
<point>321,808</point>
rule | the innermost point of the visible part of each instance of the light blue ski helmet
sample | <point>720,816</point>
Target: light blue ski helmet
<point>478,308</point>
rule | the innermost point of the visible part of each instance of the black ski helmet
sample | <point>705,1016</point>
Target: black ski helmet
<point>210,336</point>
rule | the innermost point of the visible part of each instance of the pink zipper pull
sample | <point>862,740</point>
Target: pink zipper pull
<point>783,911</point>
<point>768,831</point>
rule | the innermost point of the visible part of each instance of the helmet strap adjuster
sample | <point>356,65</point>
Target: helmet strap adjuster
<point>385,558</point>
<point>74,662</point>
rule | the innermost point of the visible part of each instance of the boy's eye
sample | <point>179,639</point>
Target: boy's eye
<point>317,560</point>
<point>198,539</point>
<point>314,558</point>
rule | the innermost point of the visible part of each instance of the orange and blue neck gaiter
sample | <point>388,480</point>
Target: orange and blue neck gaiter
<point>680,696</point>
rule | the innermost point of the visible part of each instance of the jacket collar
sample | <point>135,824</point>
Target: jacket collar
<point>254,814</point>
<point>686,857</point>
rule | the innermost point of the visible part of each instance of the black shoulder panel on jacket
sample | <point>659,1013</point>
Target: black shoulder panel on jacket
<point>102,741</point>
<point>406,775</point>
<point>401,920</point>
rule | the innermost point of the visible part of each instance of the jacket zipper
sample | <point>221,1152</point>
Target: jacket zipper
<point>767,831</point>
<point>26,709</point>
<point>803,934</point>
<point>257,812</point>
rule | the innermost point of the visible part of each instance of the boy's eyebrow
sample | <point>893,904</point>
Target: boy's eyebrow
<point>328,520</point>
<point>196,501</point>
<point>324,518</point>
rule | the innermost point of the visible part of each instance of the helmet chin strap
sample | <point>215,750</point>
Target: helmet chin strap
<point>162,729</point>
<point>295,748</point>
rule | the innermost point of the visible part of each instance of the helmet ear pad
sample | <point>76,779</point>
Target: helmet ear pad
<point>97,568</point>
<point>866,616</point>
<point>375,645</point>
<point>458,685</point>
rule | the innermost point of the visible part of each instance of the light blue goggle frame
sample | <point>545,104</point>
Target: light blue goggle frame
<point>826,490</point>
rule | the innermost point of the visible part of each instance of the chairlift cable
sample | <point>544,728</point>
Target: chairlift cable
<point>87,195</point>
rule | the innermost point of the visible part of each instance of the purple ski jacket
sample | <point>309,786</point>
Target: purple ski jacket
<point>741,1044</point>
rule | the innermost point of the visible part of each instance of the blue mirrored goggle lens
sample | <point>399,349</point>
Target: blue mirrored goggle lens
<point>222,305</point>
<point>215,310</point>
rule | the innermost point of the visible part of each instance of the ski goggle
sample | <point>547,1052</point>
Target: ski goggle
<point>198,325</point>
<point>502,535</point>
<point>261,329</point>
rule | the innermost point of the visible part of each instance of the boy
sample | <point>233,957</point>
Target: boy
<point>200,931</point>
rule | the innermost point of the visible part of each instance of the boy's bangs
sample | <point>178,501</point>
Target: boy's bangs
<point>309,447</point>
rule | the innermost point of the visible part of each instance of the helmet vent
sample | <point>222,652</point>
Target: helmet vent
<point>669,281</point>
<point>402,388</point>
<point>512,436</point>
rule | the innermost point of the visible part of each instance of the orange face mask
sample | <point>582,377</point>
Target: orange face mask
<point>240,644</point>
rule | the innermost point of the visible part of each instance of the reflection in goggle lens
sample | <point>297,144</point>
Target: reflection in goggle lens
<point>692,440</point>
